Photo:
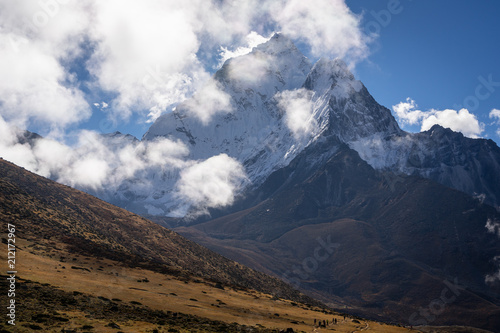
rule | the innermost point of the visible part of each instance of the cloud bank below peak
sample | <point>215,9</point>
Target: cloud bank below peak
<point>105,165</point>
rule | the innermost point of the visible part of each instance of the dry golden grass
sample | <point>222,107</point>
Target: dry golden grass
<point>111,280</point>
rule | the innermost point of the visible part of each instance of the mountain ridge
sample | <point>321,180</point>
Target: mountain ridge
<point>341,107</point>
<point>261,110</point>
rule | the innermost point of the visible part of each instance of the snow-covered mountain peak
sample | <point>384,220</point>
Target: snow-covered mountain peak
<point>274,93</point>
<point>332,75</point>
<point>336,67</point>
<point>278,44</point>
<point>271,67</point>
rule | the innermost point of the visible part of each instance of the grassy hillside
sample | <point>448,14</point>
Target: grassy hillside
<point>86,266</point>
<point>43,209</point>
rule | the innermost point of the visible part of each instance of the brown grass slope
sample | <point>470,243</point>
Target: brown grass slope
<point>86,266</point>
<point>41,208</point>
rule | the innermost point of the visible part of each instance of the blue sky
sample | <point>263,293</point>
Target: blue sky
<point>435,53</point>
<point>118,65</point>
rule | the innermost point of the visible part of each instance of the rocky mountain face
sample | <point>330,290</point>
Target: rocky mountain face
<point>262,110</point>
<point>85,265</point>
<point>257,132</point>
<point>468,165</point>
<point>253,132</point>
<point>383,245</point>
<point>352,210</point>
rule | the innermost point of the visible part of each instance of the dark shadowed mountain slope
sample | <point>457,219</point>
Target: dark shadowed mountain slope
<point>386,245</point>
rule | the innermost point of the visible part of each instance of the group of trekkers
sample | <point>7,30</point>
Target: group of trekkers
<point>325,323</point>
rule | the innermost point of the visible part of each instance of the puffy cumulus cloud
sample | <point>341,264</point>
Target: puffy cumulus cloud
<point>328,26</point>
<point>459,121</point>
<point>57,27</point>
<point>36,38</point>
<point>298,109</point>
<point>208,101</point>
<point>104,164</point>
<point>12,149</point>
<point>250,41</point>
<point>406,113</point>
<point>495,114</point>
<point>96,162</point>
<point>145,54</point>
<point>211,183</point>
<point>228,21</point>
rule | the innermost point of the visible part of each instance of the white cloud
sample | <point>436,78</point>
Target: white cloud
<point>492,278</point>
<point>95,163</point>
<point>495,114</point>
<point>298,108</point>
<point>459,121</point>
<point>250,70</point>
<point>211,183</point>
<point>101,106</point>
<point>90,172</point>
<point>250,41</point>
<point>36,38</point>
<point>406,113</point>
<point>328,26</point>
<point>144,53</point>
<point>12,150</point>
<point>208,101</point>
<point>36,89</point>
<point>493,227</point>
